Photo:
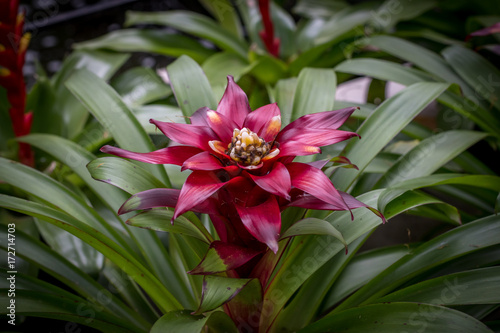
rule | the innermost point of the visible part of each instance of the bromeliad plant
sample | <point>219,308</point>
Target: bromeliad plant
<point>261,233</point>
<point>243,176</point>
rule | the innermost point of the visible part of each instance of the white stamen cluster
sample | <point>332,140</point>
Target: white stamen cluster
<point>247,148</point>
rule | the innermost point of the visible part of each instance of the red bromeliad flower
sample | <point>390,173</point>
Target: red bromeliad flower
<point>243,173</point>
<point>13,45</point>
<point>267,34</point>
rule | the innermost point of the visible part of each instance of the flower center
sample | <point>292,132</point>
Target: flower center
<point>247,148</point>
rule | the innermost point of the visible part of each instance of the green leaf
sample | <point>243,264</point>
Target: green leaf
<point>361,270</point>
<point>383,125</point>
<point>218,290</point>
<point>43,187</point>
<point>226,14</point>
<point>268,69</point>
<point>40,101</point>
<point>157,112</point>
<point>123,174</point>
<point>476,71</point>
<point>79,253</point>
<point>479,286</point>
<point>389,13</point>
<point>45,305</point>
<point>319,8</point>
<point>182,322</point>
<point>398,317</point>
<point>107,106</point>
<point>415,199</point>
<point>284,96</point>
<point>315,92</point>
<point>159,220</point>
<point>420,56</point>
<point>162,297</point>
<point>139,86</point>
<point>219,66</point>
<point>487,182</point>
<point>431,154</point>
<point>389,71</point>
<point>103,64</point>
<point>150,41</point>
<point>190,85</point>
<point>191,23</point>
<point>55,264</point>
<point>451,245</point>
<point>76,157</point>
<point>313,226</point>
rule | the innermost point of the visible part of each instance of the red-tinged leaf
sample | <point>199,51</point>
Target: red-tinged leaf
<point>308,201</point>
<point>317,137</point>
<point>158,197</point>
<point>257,119</point>
<point>245,307</point>
<point>492,29</point>
<point>325,120</point>
<point>313,181</point>
<point>221,125</point>
<point>234,103</point>
<point>314,226</point>
<point>170,155</point>
<point>263,221</point>
<point>218,290</point>
<point>190,135</point>
<point>183,321</point>
<point>222,257</point>
<point>276,182</point>
<point>319,164</point>
<point>202,161</point>
<point>198,187</point>
<point>294,148</point>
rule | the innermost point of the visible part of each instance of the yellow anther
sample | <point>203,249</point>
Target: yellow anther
<point>2,48</point>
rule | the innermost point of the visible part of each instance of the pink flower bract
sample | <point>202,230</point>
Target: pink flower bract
<point>242,166</point>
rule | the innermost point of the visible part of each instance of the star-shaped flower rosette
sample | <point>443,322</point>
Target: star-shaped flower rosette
<point>243,173</point>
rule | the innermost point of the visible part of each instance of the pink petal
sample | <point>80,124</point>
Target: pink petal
<point>202,161</point>
<point>198,187</point>
<point>221,125</point>
<point>319,164</point>
<point>158,197</point>
<point>231,255</point>
<point>276,182</point>
<point>263,221</point>
<point>308,201</point>
<point>256,120</point>
<point>199,118</point>
<point>294,148</point>
<point>234,103</point>
<point>164,197</point>
<point>316,136</point>
<point>190,135</point>
<point>313,181</point>
<point>170,155</point>
<point>327,120</point>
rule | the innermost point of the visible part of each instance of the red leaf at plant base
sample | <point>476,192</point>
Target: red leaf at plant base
<point>222,257</point>
<point>263,221</point>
